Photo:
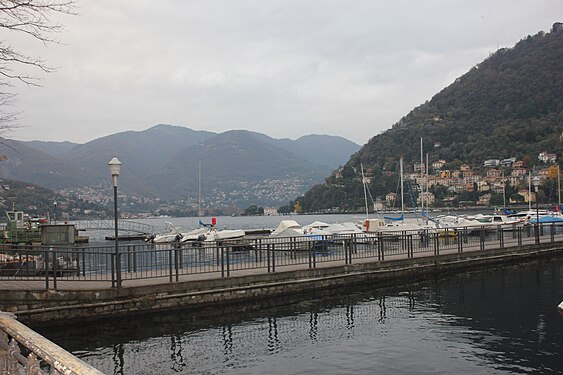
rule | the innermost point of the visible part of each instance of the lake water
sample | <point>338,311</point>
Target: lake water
<point>495,321</point>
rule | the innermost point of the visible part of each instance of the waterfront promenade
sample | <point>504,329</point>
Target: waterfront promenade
<point>153,277</point>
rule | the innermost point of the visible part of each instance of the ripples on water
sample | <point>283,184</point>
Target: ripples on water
<point>501,321</point>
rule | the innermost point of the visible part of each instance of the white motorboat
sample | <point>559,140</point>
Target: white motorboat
<point>288,228</point>
<point>211,234</point>
<point>171,234</point>
<point>498,219</point>
<point>560,308</point>
<point>454,221</point>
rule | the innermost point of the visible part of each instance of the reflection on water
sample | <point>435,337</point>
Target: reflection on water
<point>497,321</point>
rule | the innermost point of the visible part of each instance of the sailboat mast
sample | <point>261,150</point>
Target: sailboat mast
<point>426,195</point>
<point>199,191</point>
<point>503,191</point>
<point>402,190</point>
<point>530,191</point>
<point>365,191</point>
<point>421,174</point>
<point>558,188</point>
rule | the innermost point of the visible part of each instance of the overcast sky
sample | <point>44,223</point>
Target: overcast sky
<point>285,68</point>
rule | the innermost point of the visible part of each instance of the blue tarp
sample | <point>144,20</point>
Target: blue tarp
<point>393,218</point>
<point>548,219</point>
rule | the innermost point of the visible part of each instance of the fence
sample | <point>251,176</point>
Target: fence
<point>265,254</point>
<point>24,351</point>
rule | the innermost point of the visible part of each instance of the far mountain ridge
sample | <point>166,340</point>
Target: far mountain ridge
<point>162,162</point>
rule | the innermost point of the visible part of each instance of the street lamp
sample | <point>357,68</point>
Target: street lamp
<point>537,187</point>
<point>114,168</point>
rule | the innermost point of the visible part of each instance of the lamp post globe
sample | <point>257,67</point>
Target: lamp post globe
<point>114,168</point>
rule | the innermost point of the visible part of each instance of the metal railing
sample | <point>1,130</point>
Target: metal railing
<point>264,254</point>
<point>24,351</point>
<point>124,226</point>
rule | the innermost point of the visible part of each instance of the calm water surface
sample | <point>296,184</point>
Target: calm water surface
<point>501,321</point>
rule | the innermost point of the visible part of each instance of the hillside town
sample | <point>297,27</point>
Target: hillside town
<point>491,178</point>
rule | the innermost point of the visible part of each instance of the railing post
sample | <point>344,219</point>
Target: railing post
<point>552,232</point>
<point>350,250</point>
<point>112,256</point>
<point>501,236</point>
<point>380,249</point>
<point>76,255</point>
<point>170,265</point>
<point>310,251</point>
<point>268,258</point>
<point>118,267</point>
<point>345,251</point>
<point>436,243</point>
<point>520,236</point>
<point>177,263</point>
<point>220,249</point>
<point>128,258</point>
<point>46,268</point>
<point>54,269</point>
<point>482,238</point>
<point>12,362</point>
<point>83,262</point>
<point>459,235</point>
<point>273,257</point>
<point>134,259</point>
<point>226,249</point>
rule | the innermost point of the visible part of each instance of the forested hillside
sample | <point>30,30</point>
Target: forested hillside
<point>509,105</point>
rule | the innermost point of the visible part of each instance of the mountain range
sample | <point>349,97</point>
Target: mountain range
<point>164,162</point>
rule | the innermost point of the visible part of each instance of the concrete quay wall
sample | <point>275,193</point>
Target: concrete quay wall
<point>64,305</point>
